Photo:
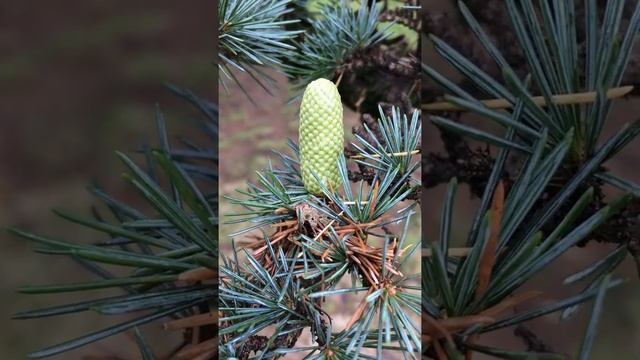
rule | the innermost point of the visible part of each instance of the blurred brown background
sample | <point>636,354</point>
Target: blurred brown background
<point>619,326</point>
<point>79,80</point>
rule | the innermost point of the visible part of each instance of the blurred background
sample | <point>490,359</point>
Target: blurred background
<point>620,322</point>
<point>79,80</point>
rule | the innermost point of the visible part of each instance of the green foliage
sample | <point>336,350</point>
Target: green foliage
<point>547,36</point>
<point>405,135</point>
<point>546,211</point>
<point>253,33</point>
<point>451,284</point>
<point>338,33</point>
<point>181,235</point>
<point>305,40</point>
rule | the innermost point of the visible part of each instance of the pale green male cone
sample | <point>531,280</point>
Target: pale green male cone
<point>321,135</point>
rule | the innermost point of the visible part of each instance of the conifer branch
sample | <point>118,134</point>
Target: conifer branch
<point>553,121</point>
<point>170,255</point>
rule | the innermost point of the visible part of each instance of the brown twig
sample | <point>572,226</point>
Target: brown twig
<point>488,258</point>
<point>403,153</point>
<point>563,99</point>
<point>199,274</point>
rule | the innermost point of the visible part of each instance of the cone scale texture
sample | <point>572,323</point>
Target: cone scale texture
<point>321,135</point>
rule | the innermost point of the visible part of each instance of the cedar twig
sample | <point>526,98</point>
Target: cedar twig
<point>364,202</point>
<point>563,99</point>
<point>339,78</point>
<point>326,228</point>
<point>403,153</point>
